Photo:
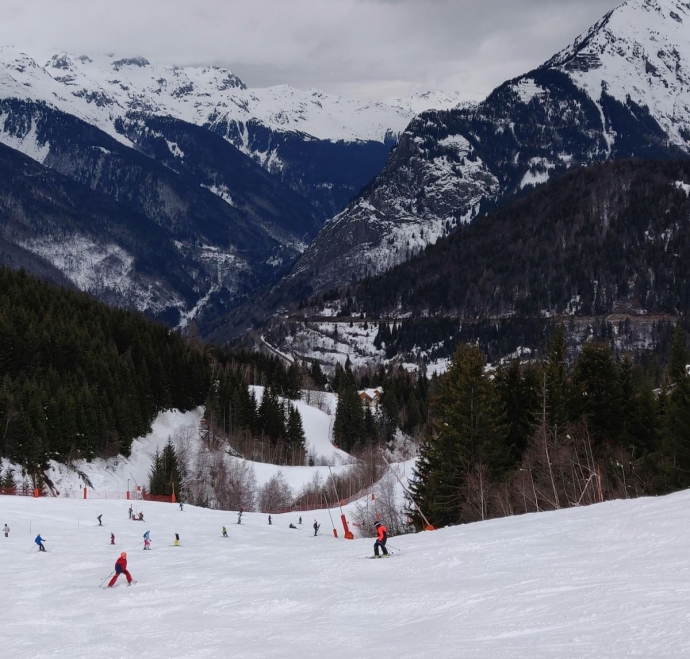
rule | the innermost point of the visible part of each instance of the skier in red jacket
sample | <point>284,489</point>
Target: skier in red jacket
<point>382,536</point>
<point>121,568</point>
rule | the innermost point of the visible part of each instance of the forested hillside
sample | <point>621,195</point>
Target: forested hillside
<point>80,379</point>
<point>607,235</point>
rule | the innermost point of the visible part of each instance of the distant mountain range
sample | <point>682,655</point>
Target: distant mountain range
<point>235,181</point>
<point>236,185</point>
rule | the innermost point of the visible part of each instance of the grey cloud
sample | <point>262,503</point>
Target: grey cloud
<point>367,48</point>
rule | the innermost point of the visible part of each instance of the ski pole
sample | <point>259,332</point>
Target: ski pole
<point>106,579</point>
<point>392,547</point>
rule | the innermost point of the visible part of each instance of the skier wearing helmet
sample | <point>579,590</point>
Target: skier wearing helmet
<point>381,537</point>
<point>121,568</point>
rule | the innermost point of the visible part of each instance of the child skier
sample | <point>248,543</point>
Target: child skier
<point>6,531</point>
<point>39,541</point>
<point>270,520</point>
<point>99,520</point>
<point>381,537</point>
<point>181,506</point>
<point>317,526</point>
<point>225,532</point>
<point>131,511</point>
<point>239,517</point>
<point>147,540</point>
<point>112,538</point>
<point>121,568</point>
<point>176,541</point>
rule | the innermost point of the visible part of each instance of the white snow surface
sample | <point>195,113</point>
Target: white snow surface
<point>610,580</point>
<point>432,100</point>
<point>103,88</point>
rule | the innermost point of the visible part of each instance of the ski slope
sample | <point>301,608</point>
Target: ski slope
<point>611,581</point>
<point>110,478</point>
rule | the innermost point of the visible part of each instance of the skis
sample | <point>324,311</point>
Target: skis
<point>131,583</point>
<point>388,555</point>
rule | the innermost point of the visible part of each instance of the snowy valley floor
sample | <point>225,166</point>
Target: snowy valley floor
<point>611,580</point>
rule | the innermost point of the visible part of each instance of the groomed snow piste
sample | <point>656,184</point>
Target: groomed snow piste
<point>611,580</point>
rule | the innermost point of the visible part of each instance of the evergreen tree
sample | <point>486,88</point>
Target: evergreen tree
<point>369,427</point>
<point>317,375</point>
<point>7,479</point>
<point>271,417</point>
<point>519,389</point>
<point>675,429</point>
<point>596,392</point>
<point>157,477</point>
<point>348,426</point>
<point>556,381</point>
<point>468,431</point>
<point>680,356</point>
<point>292,389</point>
<point>295,436</point>
<point>165,477</point>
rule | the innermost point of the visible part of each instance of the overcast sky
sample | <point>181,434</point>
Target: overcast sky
<point>375,49</point>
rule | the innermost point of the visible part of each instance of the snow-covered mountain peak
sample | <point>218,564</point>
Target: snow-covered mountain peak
<point>638,52</point>
<point>431,100</point>
<point>101,88</point>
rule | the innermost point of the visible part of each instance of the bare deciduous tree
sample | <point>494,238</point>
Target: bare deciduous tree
<point>276,495</point>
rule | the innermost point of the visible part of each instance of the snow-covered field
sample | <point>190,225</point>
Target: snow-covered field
<point>611,580</point>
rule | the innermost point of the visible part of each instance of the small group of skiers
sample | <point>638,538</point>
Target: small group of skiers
<point>133,515</point>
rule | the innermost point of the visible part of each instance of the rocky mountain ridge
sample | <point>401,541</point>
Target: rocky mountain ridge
<point>622,89</point>
<point>324,146</point>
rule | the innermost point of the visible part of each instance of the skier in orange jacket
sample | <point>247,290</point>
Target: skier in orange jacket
<point>382,536</point>
<point>121,568</point>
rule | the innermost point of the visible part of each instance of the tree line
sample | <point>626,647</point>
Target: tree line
<point>552,433</point>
